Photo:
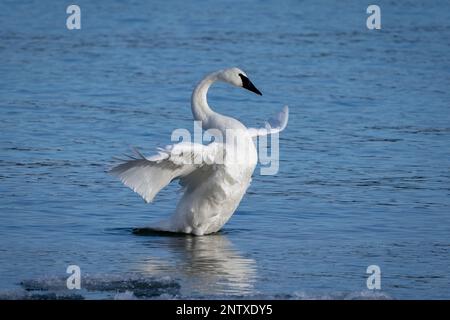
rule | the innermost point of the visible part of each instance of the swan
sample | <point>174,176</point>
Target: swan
<point>214,177</point>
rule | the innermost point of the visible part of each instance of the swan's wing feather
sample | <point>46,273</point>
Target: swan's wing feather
<point>148,175</point>
<point>275,124</point>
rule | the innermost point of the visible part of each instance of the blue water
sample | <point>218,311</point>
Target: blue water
<point>364,173</point>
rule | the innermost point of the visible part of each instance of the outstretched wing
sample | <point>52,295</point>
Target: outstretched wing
<point>148,175</point>
<point>273,125</point>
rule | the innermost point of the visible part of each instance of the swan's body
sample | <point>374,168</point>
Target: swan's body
<point>214,185</point>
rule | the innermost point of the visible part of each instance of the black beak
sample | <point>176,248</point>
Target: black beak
<point>247,84</point>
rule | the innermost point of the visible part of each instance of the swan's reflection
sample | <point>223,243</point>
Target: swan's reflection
<point>206,265</point>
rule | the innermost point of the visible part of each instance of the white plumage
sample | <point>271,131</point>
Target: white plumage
<point>214,177</point>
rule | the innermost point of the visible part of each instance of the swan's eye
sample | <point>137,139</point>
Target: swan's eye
<point>244,79</point>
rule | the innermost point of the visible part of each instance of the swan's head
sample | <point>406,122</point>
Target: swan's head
<point>239,78</point>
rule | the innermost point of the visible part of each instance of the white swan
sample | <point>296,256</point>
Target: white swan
<point>215,177</point>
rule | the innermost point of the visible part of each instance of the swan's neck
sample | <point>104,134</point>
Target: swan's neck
<point>199,103</point>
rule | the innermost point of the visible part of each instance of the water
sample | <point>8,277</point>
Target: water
<point>364,174</point>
